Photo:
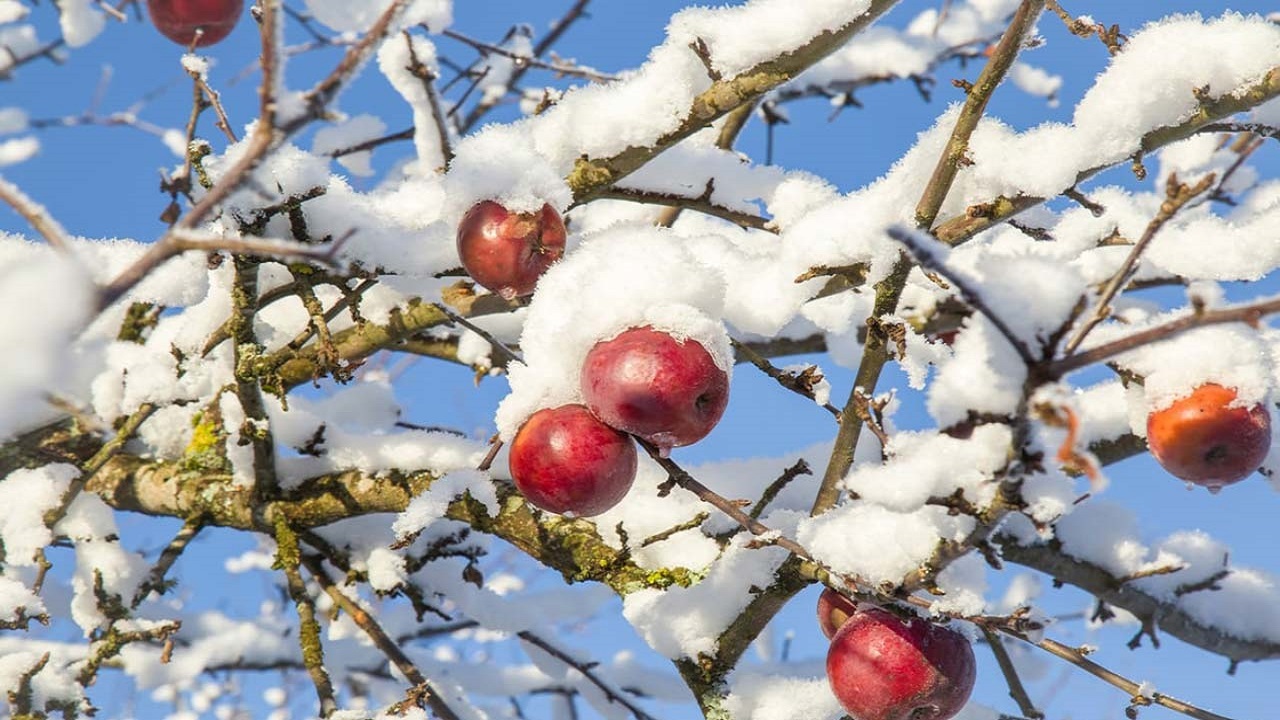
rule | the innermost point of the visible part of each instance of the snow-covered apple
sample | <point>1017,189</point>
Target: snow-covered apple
<point>1206,439</point>
<point>566,461</point>
<point>182,20</point>
<point>506,251</point>
<point>833,610</point>
<point>882,667</point>
<point>667,391</point>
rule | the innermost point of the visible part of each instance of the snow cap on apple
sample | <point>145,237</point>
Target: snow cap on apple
<point>620,278</point>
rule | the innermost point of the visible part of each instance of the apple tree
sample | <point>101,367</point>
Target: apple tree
<point>220,500</point>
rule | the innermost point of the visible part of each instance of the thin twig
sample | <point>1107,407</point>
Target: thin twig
<point>267,134</point>
<point>489,338</point>
<point>1077,658</point>
<point>215,101</point>
<point>799,383</point>
<point>155,581</point>
<point>613,695</point>
<point>1250,314</point>
<point>702,204</point>
<point>1002,58</point>
<point>36,215</point>
<point>558,29</point>
<point>380,639</point>
<point>1016,689</point>
<point>1177,195</point>
<point>288,558</point>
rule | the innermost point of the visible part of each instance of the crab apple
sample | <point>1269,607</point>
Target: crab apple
<point>669,392</point>
<point>833,610</point>
<point>179,20</point>
<point>508,251</point>
<point>566,461</point>
<point>882,667</point>
<point>1202,439</point>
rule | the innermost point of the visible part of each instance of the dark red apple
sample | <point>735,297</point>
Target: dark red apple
<point>566,461</point>
<point>833,610</point>
<point>179,20</point>
<point>1202,440</point>
<point>507,252</point>
<point>645,382</point>
<point>882,667</point>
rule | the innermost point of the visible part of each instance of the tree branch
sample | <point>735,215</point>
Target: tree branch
<point>592,175</point>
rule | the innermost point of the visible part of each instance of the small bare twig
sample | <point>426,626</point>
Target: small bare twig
<point>611,693</point>
<point>558,29</point>
<point>215,101</point>
<point>1016,689</point>
<point>488,337</point>
<point>1177,195</point>
<point>693,522</point>
<point>1002,58</point>
<point>701,203</point>
<point>1250,314</point>
<point>36,215</point>
<point>1111,37</point>
<point>801,467</point>
<point>155,581</point>
<point>427,696</point>
<point>800,383</point>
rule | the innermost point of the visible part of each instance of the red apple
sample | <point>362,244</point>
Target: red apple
<point>566,461</point>
<point>882,667</point>
<point>1202,440</point>
<point>666,391</point>
<point>833,610</point>
<point>179,20</point>
<point>507,252</point>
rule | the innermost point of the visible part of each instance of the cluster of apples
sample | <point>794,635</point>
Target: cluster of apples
<point>202,22</point>
<point>579,458</point>
<point>884,667</point>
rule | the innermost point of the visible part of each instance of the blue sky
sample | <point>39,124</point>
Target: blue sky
<point>103,182</point>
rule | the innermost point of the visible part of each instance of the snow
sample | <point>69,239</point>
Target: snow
<point>432,505</point>
<point>685,622</point>
<point>1231,356</point>
<point>21,41</point>
<point>928,464</point>
<point>37,360</point>
<point>12,11</point>
<point>782,692</point>
<point>196,65</point>
<point>983,376</point>
<point>81,21</point>
<point>102,564</point>
<point>18,150</point>
<point>33,493</point>
<point>347,18</point>
<point>17,600</point>
<point>876,544</point>
<point>55,682</point>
